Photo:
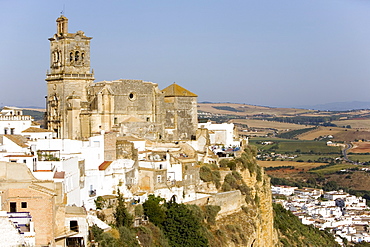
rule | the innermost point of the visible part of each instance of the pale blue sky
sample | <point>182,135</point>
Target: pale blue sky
<point>265,52</point>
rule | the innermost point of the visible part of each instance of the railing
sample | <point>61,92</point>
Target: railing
<point>59,76</point>
<point>15,118</point>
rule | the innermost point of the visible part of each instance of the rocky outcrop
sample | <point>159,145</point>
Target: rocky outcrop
<point>252,224</point>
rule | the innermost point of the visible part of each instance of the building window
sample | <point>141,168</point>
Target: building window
<point>12,131</point>
<point>13,207</point>
<point>25,161</point>
<point>24,204</point>
<point>132,96</point>
<point>73,225</point>
<point>5,131</point>
<point>159,179</point>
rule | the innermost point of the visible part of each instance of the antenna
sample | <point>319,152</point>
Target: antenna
<point>63,11</point>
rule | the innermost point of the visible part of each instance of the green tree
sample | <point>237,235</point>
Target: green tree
<point>121,215</point>
<point>182,227</point>
<point>155,210</point>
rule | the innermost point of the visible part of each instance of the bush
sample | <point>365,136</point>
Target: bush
<point>211,212</point>
<point>205,174</point>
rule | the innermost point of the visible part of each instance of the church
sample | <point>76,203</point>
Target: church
<point>78,107</point>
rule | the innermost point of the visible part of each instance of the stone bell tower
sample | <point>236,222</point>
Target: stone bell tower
<point>67,81</point>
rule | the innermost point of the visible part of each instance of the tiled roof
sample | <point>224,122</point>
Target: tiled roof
<point>104,165</point>
<point>18,155</point>
<point>59,175</point>
<point>35,130</point>
<point>18,139</point>
<point>176,90</point>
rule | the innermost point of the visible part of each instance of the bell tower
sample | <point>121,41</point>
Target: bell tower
<point>67,80</point>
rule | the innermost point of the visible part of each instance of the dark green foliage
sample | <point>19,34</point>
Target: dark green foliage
<point>182,227</point>
<point>139,210</point>
<point>322,166</point>
<point>37,115</point>
<point>227,108</point>
<point>293,133</point>
<point>226,187</point>
<point>259,174</point>
<point>244,189</point>
<point>197,211</point>
<point>127,237</point>
<point>211,212</point>
<point>230,179</point>
<point>95,233</point>
<point>205,174</point>
<point>331,185</point>
<point>107,240</point>
<point>237,175</point>
<point>256,199</point>
<point>155,210</point>
<point>216,178</point>
<point>121,215</point>
<point>306,120</point>
<point>294,233</point>
<point>145,236</point>
<point>100,202</point>
<point>274,168</point>
<point>228,163</point>
<point>247,159</point>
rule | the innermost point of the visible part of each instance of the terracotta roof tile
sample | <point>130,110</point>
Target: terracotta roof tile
<point>176,90</point>
<point>104,165</point>
<point>59,175</point>
<point>18,155</point>
<point>35,130</point>
<point>18,139</point>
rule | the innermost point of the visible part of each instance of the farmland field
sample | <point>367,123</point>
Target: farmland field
<point>321,131</point>
<point>307,147</point>
<point>360,147</point>
<point>263,124</point>
<point>352,135</point>
<point>248,110</point>
<point>333,169</point>
<point>297,165</point>
<point>359,158</point>
<point>354,123</point>
<point>313,157</point>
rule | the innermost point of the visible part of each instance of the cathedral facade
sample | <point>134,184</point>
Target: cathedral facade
<point>78,107</point>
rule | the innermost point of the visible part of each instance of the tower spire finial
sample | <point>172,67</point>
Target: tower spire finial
<point>63,10</point>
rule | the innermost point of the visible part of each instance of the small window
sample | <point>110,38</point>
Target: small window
<point>159,179</point>
<point>132,96</point>
<point>73,225</point>
<point>12,131</point>
<point>25,161</point>
<point>24,204</point>
<point>5,131</point>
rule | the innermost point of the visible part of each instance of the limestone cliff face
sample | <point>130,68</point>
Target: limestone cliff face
<point>253,224</point>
